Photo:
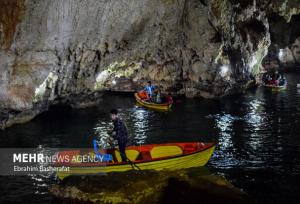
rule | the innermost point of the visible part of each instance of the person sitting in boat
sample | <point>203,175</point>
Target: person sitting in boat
<point>281,81</point>
<point>119,133</point>
<point>270,79</point>
<point>273,80</point>
<point>266,78</point>
<point>169,99</point>
<point>158,96</point>
<point>149,89</point>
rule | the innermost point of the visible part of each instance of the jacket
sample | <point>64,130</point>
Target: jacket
<point>120,130</point>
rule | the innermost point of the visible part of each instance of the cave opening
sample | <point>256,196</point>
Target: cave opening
<point>284,51</point>
<point>242,4</point>
<point>283,32</point>
<point>253,28</point>
<point>59,111</point>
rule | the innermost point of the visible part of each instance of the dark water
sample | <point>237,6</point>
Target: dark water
<point>258,136</point>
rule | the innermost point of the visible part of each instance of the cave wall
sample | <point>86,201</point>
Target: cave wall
<point>70,51</point>
<point>285,37</point>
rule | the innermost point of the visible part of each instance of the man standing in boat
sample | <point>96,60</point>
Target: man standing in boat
<point>149,89</point>
<point>119,133</point>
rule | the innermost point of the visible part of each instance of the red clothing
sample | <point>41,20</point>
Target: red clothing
<point>273,82</point>
<point>169,99</point>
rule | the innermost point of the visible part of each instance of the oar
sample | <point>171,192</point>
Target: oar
<point>132,164</point>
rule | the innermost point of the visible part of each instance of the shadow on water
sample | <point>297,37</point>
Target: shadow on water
<point>257,134</point>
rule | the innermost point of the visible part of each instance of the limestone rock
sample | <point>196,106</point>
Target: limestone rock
<point>70,51</point>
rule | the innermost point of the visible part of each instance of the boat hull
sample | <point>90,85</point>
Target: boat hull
<point>275,88</point>
<point>196,159</point>
<point>154,106</point>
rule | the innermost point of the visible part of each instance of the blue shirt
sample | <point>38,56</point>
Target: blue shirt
<point>149,89</point>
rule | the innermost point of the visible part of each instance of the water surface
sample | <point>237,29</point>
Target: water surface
<point>257,135</point>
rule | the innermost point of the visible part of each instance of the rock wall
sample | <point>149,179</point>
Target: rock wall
<point>70,51</point>
<point>284,51</point>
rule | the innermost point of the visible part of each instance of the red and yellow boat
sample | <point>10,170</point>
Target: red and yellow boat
<point>141,98</point>
<point>154,156</point>
<point>275,87</point>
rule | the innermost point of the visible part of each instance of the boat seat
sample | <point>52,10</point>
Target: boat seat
<point>131,154</point>
<point>143,95</point>
<point>188,148</point>
<point>165,151</point>
<point>145,155</point>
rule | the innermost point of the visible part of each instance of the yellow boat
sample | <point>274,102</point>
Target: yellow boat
<point>141,98</point>
<point>156,156</point>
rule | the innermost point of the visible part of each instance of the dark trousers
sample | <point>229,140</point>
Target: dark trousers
<point>122,147</point>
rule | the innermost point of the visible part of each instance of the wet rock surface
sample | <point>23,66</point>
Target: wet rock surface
<point>65,51</point>
<point>184,186</point>
<point>284,52</point>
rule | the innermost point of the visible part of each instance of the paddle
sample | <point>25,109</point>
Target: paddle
<point>132,164</point>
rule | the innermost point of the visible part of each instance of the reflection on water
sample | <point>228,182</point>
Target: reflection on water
<point>257,136</point>
<point>255,116</point>
<point>136,121</point>
<point>102,134</point>
<point>225,123</point>
<point>140,122</point>
<point>255,122</point>
<point>226,150</point>
<point>40,183</point>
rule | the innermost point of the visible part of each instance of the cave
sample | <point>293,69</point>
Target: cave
<point>150,101</point>
<point>242,4</point>
<point>283,33</point>
<point>284,37</point>
<point>254,28</point>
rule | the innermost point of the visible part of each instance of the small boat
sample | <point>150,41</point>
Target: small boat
<point>146,157</point>
<point>275,87</point>
<point>141,98</point>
